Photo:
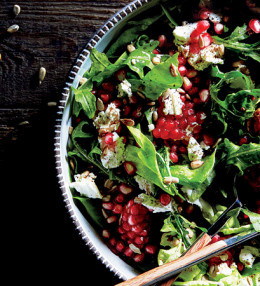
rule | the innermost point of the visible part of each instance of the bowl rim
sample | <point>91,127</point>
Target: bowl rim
<point>65,94</point>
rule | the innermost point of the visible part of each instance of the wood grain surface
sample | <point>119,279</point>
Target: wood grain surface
<point>42,243</point>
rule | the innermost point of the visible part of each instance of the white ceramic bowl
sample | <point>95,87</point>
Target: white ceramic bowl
<point>100,41</point>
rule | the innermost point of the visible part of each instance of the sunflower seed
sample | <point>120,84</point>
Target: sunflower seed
<point>173,70</point>
<point>100,105</point>
<point>16,10</point>
<point>196,164</point>
<point>130,48</point>
<point>51,103</point>
<point>170,180</point>
<point>42,74</point>
<point>12,29</point>
<point>128,121</point>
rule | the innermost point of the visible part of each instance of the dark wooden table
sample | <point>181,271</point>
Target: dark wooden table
<point>42,244</point>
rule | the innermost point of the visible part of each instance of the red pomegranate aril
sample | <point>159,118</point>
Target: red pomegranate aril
<point>126,226</point>
<point>196,80</point>
<point>108,86</point>
<point>254,25</point>
<point>144,233</point>
<point>204,13</point>
<point>192,119</point>
<point>132,220</point>
<point>120,246</point>
<point>127,110</point>
<point>162,41</point>
<point>137,113</point>
<point>197,129</point>
<point>240,266</point>
<point>130,168</point>
<point>119,129</point>
<point>187,85</point>
<point>156,52</point>
<point>108,206</point>
<point>175,134</point>
<point>183,123</point>
<point>187,112</point>
<point>106,233</point>
<point>105,97</point>
<point>138,258</point>
<point>202,26</point>
<point>120,198</point>
<point>182,70</point>
<point>131,234</point>
<point>243,140</point>
<point>111,219</point>
<point>189,209</point>
<point>133,99</point>
<point>204,95</point>
<point>208,140</point>
<point>194,48</point>
<point>108,139</point>
<point>139,240</point>
<point>118,103</point>
<point>204,40</point>
<point>125,189</point>
<point>189,104</point>
<point>156,133</point>
<point>120,75</point>
<point>164,134</point>
<point>194,90</point>
<point>181,60</point>
<point>201,116</point>
<point>113,241</point>
<point>219,28</point>
<point>117,209</point>
<point>135,209</point>
<point>150,249</point>
<point>165,199</point>
<point>194,36</point>
<point>183,98</point>
<point>215,238</point>
<point>174,157</point>
<point>137,229</point>
<point>191,73</point>
<point>128,252</point>
<point>182,149</point>
<point>161,122</point>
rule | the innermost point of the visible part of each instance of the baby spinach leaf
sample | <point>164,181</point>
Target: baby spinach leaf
<point>243,156</point>
<point>145,159</point>
<point>254,219</point>
<point>85,100</point>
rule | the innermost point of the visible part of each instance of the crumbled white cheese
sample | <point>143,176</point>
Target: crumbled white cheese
<point>248,255</point>
<point>220,271</point>
<point>113,156</point>
<point>124,89</point>
<point>195,151</point>
<point>182,33</point>
<point>86,186</point>
<point>210,55</point>
<point>151,127</point>
<point>108,121</point>
<point>144,185</point>
<point>172,102</point>
<point>204,146</point>
<point>214,18</point>
<point>153,204</point>
<point>184,50</point>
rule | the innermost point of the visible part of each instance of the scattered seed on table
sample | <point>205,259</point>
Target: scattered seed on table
<point>42,74</point>
<point>16,10</point>
<point>12,29</point>
<point>52,103</point>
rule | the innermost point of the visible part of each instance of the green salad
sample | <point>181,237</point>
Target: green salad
<point>157,122</point>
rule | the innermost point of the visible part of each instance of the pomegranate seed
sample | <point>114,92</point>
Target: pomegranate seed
<point>120,198</point>
<point>120,75</point>
<point>165,199</point>
<point>204,95</point>
<point>196,80</point>
<point>187,112</point>
<point>254,25</point>
<point>194,37</point>
<point>105,97</point>
<point>192,119</point>
<point>204,14</point>
<point>194,90</point>
<point>130,168</point>
<point>195,48</point>
<point>144,232</point>
<point>117,209</point>
<point>135,209</point>
<point>126,226</point>
<point>240,266</point>
<point>138,258</point>
<point>126,110</point>
<point>208,140</point>
<point>162,41</point>
<point>219,28</point>
<point>133,99</point>
<point>125,189</point>
<point>201,115</point>
<point>132,220</point>
<point>108,86</point>
<point>137,113</point>
<point>121,230</point>
<point>189,209</point>
<point>197,129</point>
<point>130,203</point>
<point>204,40</point>
<point>112,241</point>
<point>182,149</point>
<point>191,73</point>
<point>150,249</point>
<point>243,140</point>
<point>128,252</point>
<point>119,129</point>
<point>118,103</point>
<point>137,228</point>
<point>164,134</point>
<point>215,238</point>
<point>202,26</point>
<point>111,219</point>
<point>174,157</point>
<point>131,234</point>
<point>183,123</point>
<point>108,206</point>
<point>106,233</point>
<point>139,240</point>
<point>108,139</point>
<point>181,60</point>
<point>156,133</point>
<point>246,216</point>
<point>156,52</point>
<point>120,246</point>
<point>186,83</point>
<point>182,70</point>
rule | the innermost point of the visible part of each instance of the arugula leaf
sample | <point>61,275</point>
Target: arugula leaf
<point>243,156</point>
<point>85,100</point>
<point>168,15</point>
<point>254,219</point>
<point>145,159</point>
<point>233,42</point>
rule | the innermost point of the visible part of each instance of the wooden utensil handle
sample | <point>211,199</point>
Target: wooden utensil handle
<point>164,269</point>
<point>202,241</point>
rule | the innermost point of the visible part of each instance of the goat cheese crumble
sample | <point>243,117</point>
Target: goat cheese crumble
<point>195,151</point>
<point>124,89</point>
<point>172,101</point>
<point>182,33</point>
<point>85,185</point>
<point>144,185</point>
